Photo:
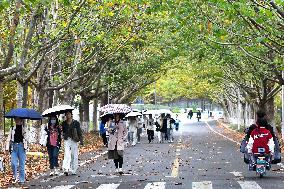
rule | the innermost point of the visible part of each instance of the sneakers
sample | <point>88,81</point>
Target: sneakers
<point>56,172</point>
<point>120,171</point>
<point>51,172</point>
<point>14,181</point>
<point>116,170</point>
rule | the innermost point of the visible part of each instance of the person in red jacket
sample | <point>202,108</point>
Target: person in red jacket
<point>262,138</point>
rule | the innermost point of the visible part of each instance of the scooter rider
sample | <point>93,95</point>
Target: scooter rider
<point>260,137</point>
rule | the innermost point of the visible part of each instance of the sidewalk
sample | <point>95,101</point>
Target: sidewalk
<point>37,167</point>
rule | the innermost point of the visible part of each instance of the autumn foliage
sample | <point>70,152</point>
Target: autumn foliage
<point>36,165</point>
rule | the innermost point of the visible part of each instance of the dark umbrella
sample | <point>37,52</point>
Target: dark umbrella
<point>24,113</point>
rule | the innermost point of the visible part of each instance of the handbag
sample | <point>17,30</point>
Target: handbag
<point>74,134</point>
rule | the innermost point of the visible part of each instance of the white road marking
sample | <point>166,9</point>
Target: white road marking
<point>175,167</point>
<point>92,159</point>
<point>281,165</point>
<point>63,187</point>
<point>202,185</point>
<point>237,174</point>
<point>108,186</point>
<point>249,185</point>
<point>155,185</point>
<point>221,134</point>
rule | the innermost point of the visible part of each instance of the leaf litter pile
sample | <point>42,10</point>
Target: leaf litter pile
<point>35,165</point>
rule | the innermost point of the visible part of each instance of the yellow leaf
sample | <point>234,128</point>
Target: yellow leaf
<point>111,13</point>
<point>209,27</point>
<point>200,27</point>
<point>110,4</point>
<point>77,41</point>
<point>64,23</point>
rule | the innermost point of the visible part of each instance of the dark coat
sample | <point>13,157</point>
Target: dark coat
<point>67,131</point>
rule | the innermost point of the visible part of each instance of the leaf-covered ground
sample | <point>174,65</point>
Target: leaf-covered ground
<point>36,165</point>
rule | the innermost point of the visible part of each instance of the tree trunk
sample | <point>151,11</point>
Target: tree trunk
<point>104,99</point>
<point>1,106</point>
<point>86,111</point>
<point>95,114</point>
<point>25,95</point>
<point>55,98</point>
<point>40,100</point>
<point>50,98</point>
<point>270,113</point>
<point>81,112</point>
<point>19,95</point>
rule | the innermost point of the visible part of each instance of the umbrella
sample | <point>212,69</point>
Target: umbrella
<point>115,108</point>
<point>133,114</point>
<point>154,112</point>
<point>24,113</point>
<point>61,109</point>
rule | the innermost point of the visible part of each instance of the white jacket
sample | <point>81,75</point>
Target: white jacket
<point>11,134</point>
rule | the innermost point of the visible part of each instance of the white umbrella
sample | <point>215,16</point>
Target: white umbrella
<point>115,108</point>
<point>154,112</point>
<point>133,114</point>
<point>61,109</point>
<point>199,109</point>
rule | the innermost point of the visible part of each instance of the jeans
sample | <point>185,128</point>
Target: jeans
<point>70,162</point>
<point>18,158</point>
<point>170,134</point>
<point>130,137</point>
<point>53,156</point>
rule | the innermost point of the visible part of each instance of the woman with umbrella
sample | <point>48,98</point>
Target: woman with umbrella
<point>17,141</point>
<point>117,135</point>
<point>53,143</point>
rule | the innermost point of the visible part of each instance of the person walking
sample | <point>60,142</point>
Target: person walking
<point>150,128</point>
<point>53,143</point>
<point>198,115</point>
<point>72,134</point>
<point>17,144</point>
<point>103,130</point>
<point>132,130</point>
<point>117,135</point>
<point>170,124</point>
<point>190,114</point>
<point>163,129</point>
<point>140,128</point>
<point>158,123</point>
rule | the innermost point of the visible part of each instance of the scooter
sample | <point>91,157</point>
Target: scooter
<point>262,162</point>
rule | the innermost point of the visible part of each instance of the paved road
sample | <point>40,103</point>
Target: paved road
<point>199,159</point>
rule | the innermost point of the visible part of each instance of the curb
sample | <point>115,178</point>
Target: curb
<point>232,140</point>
